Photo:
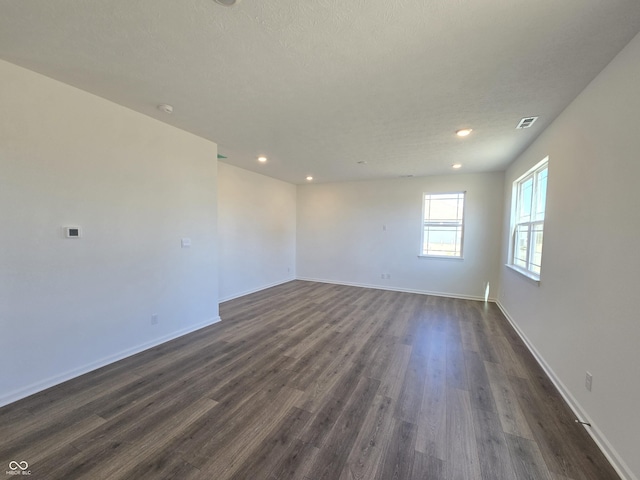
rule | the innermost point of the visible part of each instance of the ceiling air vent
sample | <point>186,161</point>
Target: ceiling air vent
<point>526,122</point>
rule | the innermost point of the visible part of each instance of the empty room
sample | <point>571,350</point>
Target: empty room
<point>280,240</point>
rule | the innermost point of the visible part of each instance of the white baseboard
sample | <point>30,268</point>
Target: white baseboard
<point>24,392</point>
<point>397,289</point>
<point>257,289</point>
<point>581,414</point>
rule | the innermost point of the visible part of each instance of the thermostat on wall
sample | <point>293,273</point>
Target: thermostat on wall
<point>72,232</point>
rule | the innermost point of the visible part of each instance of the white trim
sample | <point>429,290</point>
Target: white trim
<point>396,289</point>
<point>258,289</point>
<point>441,257</point>
<point>599,438</point>
<point>525,273</point>
<point>76,372</point>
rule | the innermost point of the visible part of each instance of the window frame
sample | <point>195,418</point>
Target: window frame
<point>460,224</point>
<point>535,224</point>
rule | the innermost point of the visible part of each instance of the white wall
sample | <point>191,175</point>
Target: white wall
<point>341,237</point>
<point>257,231</point>
<point>584,315</point>
<point>135,186</point>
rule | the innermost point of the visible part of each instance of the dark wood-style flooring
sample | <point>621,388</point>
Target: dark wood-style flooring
<point>313,381</point>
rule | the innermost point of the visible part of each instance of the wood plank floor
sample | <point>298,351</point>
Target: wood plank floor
<point>313,381</point>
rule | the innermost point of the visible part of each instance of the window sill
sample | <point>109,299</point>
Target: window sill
<point>441,257</point>
<point>532,277</point>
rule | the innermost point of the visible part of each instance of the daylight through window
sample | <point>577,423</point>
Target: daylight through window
<point>443,225</point>
<point>530,194</point>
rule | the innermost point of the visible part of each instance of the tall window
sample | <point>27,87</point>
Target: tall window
<point>530,194</point>
<point>443,226</point>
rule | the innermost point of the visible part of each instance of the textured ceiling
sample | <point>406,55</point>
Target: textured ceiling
<point>320,85</point>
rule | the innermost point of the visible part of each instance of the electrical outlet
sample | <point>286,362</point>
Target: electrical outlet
<point>588,381</point>
<point>154,319</point>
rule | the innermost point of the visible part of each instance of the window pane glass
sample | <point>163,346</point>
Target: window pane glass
<point>525,201</point>
<point>541,194</point>
<point>442,240</point>
<point>520,246</point>
<point>446,208</point>
<point>536,249</point>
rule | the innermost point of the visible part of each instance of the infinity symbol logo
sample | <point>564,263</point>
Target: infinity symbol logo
<point>13,465</point>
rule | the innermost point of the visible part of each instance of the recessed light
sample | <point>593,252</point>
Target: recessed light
<point>456,165</point>
<point>309,178</point>
<point>227,3</point>
<point>464,132</point>
<point>166,108</point>
<point>262,159</point>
